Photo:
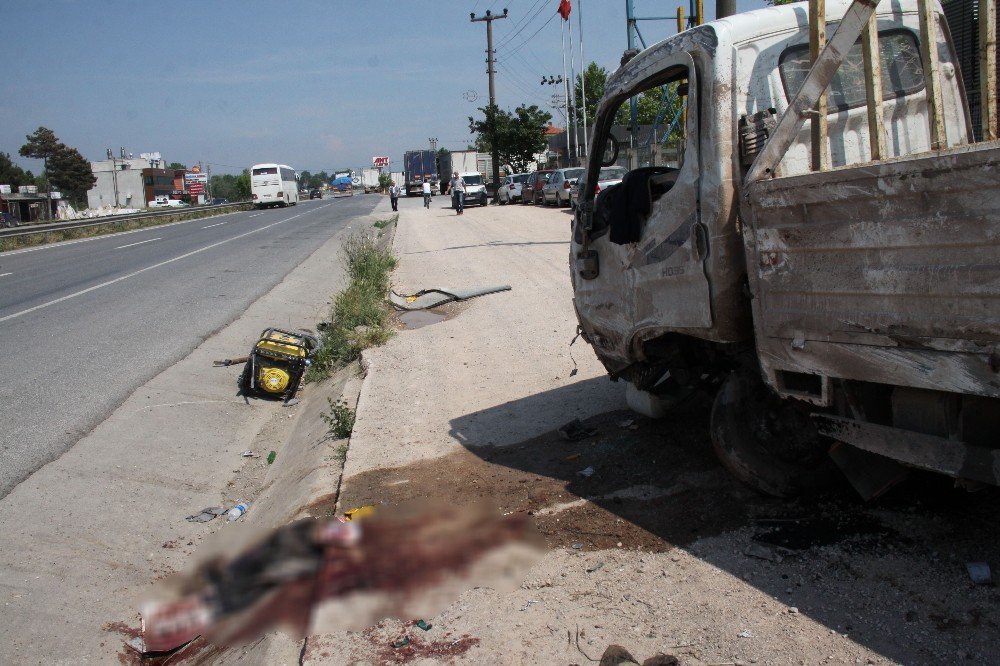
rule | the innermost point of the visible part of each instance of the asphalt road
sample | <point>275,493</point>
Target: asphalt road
<point>86,322</point>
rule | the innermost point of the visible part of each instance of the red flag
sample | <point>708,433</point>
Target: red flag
<point>565,6</point>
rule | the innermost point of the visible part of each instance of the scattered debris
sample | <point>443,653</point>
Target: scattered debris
<point>575,431</point>
<point>429,298</point>
<point>359,512</point>
<point>237,511</point>
<point>248,454</point>
<point>596,567</point>
<point>793,610</point>
<point>271,456</point>
<point>206,514</point>
<point>291,402</point>
<point>577,546</point>
<point>226,362</point>
<point>402,643</point>
<point>420,624</point>
<point>573,457</point>
<point>586,472</point>
<point>616,655</point>
<point>627,423</point>
<point>979,573</point>
<point>746,634</point>
<point>762,552</point>
<point>530,603</point>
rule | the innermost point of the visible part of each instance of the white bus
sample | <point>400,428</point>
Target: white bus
<point>273,185</point>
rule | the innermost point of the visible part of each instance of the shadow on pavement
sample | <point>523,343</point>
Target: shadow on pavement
<point>891,575</point>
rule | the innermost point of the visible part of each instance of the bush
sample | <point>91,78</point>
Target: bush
<point>360,316</point>
<point>340,419</point>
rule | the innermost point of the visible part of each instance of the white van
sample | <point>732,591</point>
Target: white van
<point>475,189</point>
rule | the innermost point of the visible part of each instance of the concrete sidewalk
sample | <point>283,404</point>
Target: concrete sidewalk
<point>85,535</point>
<point>445,386</point>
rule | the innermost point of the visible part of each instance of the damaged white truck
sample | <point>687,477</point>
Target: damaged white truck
<point>822,253</point>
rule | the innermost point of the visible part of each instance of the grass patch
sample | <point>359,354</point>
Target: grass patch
<point>382,224</point>
<point>360,314</point>
<point>340,419</point>
<point>112,226</point>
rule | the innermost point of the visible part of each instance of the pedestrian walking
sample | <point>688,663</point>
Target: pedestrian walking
<point>457,187</point>
<point>394,195</point>
<point>427,194</point>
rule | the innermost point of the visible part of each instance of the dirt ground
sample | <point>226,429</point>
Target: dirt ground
<point>652,545</point>
<point>665,552</point>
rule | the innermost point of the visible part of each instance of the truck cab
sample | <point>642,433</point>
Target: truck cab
<point>851,304</point>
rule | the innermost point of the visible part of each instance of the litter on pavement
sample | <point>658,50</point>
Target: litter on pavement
<point>271,456</point>
<point>575,431</point>
<point>979,573</point>
<point>429,298</point>
<point>206,514</point>
<point>586,472</point>
<point>420,624</point>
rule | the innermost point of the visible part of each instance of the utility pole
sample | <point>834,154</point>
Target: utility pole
<point>724,8</point>
<point>488,18</point>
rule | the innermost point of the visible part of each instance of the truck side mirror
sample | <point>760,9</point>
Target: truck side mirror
<point>610,153</point>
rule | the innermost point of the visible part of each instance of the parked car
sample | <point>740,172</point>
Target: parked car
<point>608,176</point>
<point>531,192</point>
<point>315,194</point>
<point>510,188</point>
<point>167,202</point>
<point>475,189</point>
<point>219,200</point>
<point>556,190</point>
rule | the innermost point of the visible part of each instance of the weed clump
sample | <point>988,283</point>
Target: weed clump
<point>360,314</point>
<point>382,224</point>
<point>340,419</point>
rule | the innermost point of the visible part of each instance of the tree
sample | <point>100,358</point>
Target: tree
<point>70,172</point>
<point>13,175</point>
<point>517,136</point>
<point>384,181</point>
<point>595,77</point>
<point>177,166</point>
<point>41,144</point>
<point>242,186</point>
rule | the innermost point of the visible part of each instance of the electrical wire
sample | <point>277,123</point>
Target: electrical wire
<point>522,44</point>
<point>524,23</point>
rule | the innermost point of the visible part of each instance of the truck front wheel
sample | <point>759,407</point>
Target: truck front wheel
<point>768,443</point>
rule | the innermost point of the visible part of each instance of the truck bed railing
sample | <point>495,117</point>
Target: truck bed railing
<point>809,102</point>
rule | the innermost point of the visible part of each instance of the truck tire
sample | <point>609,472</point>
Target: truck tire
<point>768,443</point>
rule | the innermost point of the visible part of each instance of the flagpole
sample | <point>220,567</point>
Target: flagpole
<point>572,74</point>
<point>569,148</point>
<point>583,76</point>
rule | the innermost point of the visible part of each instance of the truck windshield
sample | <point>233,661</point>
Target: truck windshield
<point>473,180</point>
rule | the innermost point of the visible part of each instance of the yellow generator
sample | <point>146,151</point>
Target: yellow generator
<point>276,363</point>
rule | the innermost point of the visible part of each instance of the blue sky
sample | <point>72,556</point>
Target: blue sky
<point>317,85</point>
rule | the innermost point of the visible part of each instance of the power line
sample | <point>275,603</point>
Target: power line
<point>522,24</point>
<point>522,44</point>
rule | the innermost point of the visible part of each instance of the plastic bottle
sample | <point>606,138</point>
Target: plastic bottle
<point>238,511</point>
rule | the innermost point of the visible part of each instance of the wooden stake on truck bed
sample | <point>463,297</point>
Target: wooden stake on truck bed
<point>873,88</point>
<point>817,42</point>
<point>932,74</point>
<point>988,68</point>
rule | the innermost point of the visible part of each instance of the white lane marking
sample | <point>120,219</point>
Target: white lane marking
<point>149,268</point>
<point>150,240</point>
<point>103,236</point>
<point>218,224</point>
<point>5,274</point>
